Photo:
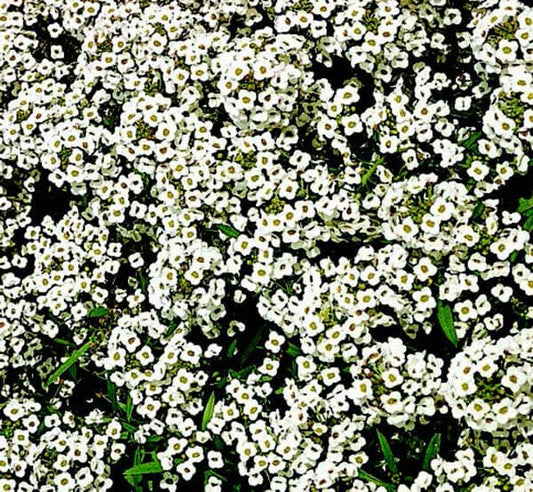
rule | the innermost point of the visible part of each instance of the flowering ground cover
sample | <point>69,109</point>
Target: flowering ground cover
<point>266,245</point>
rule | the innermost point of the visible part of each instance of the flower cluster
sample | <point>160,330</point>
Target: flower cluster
<point>246,242</point>
<point>489,383</point>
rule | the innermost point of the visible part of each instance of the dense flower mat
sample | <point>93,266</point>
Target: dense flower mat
<point>266,245</point>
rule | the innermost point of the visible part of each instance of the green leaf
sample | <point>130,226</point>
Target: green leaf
<point>371,478</point>
<point>138,456</point>
<point>371,171</point>
<point>130,428</point>
<point>432,450</point>
<point>253,344</point>
<point>144,283</point>
<point>129,408</point>
<point>211,473</point>
<point>524,205</point>
<point>528,226</point>
<point>444,314</point>
<point>73,372</point>
<point>63,342</point>
<point>387,452</point>
<point>155,438</point>
<point>231,349</point>
<point>470,142</point>
<point>98,312</point>
<point>242,373</point>
<point>171,328</point>
<point>293,350</point>
<point>218,443</point>
<point>208,411</point>
<point>478,210</point>
<point>69,362</point>
<point>112,394</point>
<point>227,230</point>
<point>144,468</point>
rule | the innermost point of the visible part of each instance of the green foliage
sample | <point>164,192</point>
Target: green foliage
<point>444,315</point>
<point>387,453</point>
<point>227,230</point>
<point>432,450</point>
<point>371,478</point>
<point>208,411</point>
<point>471,142</point>
<point>252,345</point>
<point>135,474</point>
<point>98,312</point>
<point>68,363</point>
<point>525,208</point>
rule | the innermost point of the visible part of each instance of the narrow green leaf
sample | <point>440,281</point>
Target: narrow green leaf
<point>371,478</point>
<point>470,142</point>
<point>528,225</point>
<point>130,428</point>
<point>444,314</point>
<point>432,450</point>
<point>371,171</point>
<point>144,283</point>
<point>208,411</point>
<point>211,473</point>
<point>129,408</point>
<point>253,344</point>
<point>144,468</point>
<point>63,342</point>
<point>112,394</point>
<point>98,312</point>
<point>228,230</point>
<point>138,456</point>
<point>171,328</point>
<point>69,362</point>
<point>231,349</point>
<point>387,452</point>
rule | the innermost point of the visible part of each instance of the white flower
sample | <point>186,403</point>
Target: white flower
<point>406,230</point>
<point>392,402</point>
<point>424,299</point>
<point>246,99</point>
<point>504,411</point>
<point>506,51</point>
<point>360,390</point>
<point>306,367</point>
<point>442,209</point>
<point>424,269</point>
<point>464,386</point>
<point>478,170</point>
<point>392,377</point>
<point>465,310</point>
<point>186,470</point>
<point>269,367</point>
<point>148,408</point>
<point>64,482</point>
<point>330,376</point>
<point>514,378</point>
<point>477,409</point>
<point>275,342</point>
